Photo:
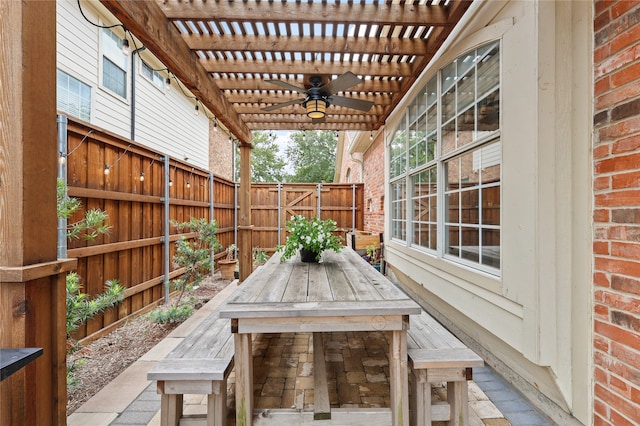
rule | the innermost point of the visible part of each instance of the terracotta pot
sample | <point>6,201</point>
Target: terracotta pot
<point>227,267</point>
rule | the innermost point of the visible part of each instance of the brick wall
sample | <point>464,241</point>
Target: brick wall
<point>220,153</point>
<point>373,178</point>
<point>616,185</point>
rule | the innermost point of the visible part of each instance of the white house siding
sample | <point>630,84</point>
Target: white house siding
<point>164,121</point>
<point>534,318</point>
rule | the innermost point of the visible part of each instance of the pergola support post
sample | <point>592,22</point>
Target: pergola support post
<point>245,228</point>
<point>32,279</point>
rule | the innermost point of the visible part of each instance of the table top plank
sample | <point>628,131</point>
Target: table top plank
<point>319,287</point>
<point>296,290</point>
<point>13,359</point>
<point>341,285</point>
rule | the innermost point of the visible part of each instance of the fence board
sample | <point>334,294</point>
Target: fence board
<point>133,252</point>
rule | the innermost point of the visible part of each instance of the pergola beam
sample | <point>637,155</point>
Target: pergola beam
<point>148,23</point>
<point>330,13</point>
<point>403,69</point>
<point>352,45</point>
<point>256,84</point>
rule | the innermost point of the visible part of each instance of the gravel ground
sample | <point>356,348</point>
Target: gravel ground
<point>102,360</point>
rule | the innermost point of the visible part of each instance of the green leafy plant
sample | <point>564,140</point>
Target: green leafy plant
<point>172,314</point>
<point>80,308</point>
<point>259,256</point>
<point>373,253</point>
<point>314,235</point>
<point>92,224</point>
<point>194,255</point>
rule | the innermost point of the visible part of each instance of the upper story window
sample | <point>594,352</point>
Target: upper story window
<point>114,63</point>
<point>73,96</point>
<point>152,75</point>
<point>445,163</point>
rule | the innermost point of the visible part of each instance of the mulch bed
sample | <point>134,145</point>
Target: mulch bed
<point>102,360</point>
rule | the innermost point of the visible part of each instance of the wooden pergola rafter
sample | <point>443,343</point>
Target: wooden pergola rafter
<point>239,45</point>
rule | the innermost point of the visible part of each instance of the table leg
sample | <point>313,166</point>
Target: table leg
<point>243,361</point>
<point>398,373</point>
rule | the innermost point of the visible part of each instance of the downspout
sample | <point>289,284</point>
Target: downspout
<point>133,92</point>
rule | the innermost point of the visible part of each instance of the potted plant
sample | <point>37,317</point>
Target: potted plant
<point>228,264</point>
<point>310,238</point>
<point>373,255</point>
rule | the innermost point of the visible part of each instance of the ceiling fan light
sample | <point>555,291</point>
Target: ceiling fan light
<point>316,108</point>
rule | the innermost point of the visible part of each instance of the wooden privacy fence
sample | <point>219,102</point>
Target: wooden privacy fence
<point>273,204</point>
<point>142,190</point>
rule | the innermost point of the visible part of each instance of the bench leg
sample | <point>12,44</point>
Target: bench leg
<point>398,373</point>
<point>217,406</point>
<point>457,396</point>
<point>170,409</point>
<point>243,361</point>
<point>421,399</point>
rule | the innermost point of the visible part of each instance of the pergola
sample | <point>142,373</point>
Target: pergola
<point>223,52</point>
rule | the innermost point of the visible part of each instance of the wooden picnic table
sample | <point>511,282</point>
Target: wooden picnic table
<point>341,293</point>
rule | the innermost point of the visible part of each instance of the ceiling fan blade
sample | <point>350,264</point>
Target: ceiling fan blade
<point>282,105</point>
<point>287,86</point>
<point>358,104</point>
<point>345,81</point>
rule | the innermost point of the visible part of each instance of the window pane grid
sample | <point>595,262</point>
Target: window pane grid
<point>457,107</point>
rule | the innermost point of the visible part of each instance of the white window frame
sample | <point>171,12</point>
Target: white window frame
<point>117,58</point>
<point>410,171</point>
<point>79,103</point>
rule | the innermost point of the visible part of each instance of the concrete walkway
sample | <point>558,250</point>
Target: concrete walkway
<point>356,363</point>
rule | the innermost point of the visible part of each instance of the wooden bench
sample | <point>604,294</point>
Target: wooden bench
<point>436,355</point>
<point>200,364</point>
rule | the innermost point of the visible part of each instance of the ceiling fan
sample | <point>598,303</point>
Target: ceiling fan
<point>319,96</point>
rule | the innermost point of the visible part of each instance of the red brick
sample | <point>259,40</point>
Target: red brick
<point>614,97</point>
<point>601,344</point>
<point>599,421</point>
<point>625,75</point>
<point>601,215</point>
<point>625,284</point>
<point>601,247</point>
<point>601,280</point>
<point>626,145</point>
<point>620,303</point>
<point>626,38</point>
<point>619,163</point>
<point>601,151</point>
<point>626,180</point>
<point>602,6</point>
<point>618,334</point>
<point>620,129</point>
<point>615,366</point>
<point>624,267</point>
<point>618,420</point>
<point>618,198</point>
<point>625,233</point>
<point>625,250</point>
<point>601,311</point>
<point>620,386</point>
<point>619,8</point>
<point>614,62</point>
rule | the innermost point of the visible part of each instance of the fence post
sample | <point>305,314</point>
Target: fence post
<point>319,186</point>
<point>62,174</point>
<point>353,208</point>
<point>167,235</point>
<point>212,217</point>
<point>235,213</point>
<point>279,213</point>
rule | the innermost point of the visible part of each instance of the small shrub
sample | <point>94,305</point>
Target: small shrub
<point>171,314</point>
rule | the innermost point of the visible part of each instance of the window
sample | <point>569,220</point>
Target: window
<point>152,75</point>
<point>114,63</point>
<point>445,163</point>
<point>73,96</point>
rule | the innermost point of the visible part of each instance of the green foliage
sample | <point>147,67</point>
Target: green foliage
<point>259,256</point>
<point>80,308</point>
<point>172,314</point>
<point>72,380</point>
<point>315,235</point>
<point>266,164</point>
<point>94,222</point>
<point>312,155</point>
